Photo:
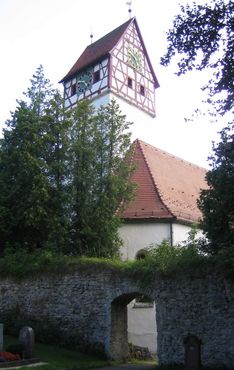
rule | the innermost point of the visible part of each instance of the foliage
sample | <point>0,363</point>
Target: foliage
<point>162,259</point>
<point>20,262</point>
<point>217,202</point>
<point>202,37</point>
<point>31,203</point>
<point>169,260</point>
<point>64,174</point>
<point>100,144</point>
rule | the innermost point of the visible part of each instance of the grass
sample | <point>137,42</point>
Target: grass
<point>59,358</point>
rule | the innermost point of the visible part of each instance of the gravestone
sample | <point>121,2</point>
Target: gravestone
<point>26,339</point>
<point>1,337</point>
<point>192,353</point>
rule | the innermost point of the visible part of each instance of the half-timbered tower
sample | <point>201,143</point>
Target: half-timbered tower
<point>116,66</point>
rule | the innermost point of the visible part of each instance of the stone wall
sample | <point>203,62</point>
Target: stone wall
<point>88,307</point>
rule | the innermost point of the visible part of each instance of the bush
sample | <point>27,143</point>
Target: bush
<point>20,262</point>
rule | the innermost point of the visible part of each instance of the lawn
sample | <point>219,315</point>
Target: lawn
<point>59,358</point>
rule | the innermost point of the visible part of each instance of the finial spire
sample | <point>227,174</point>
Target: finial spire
<point>129,3</point>
<point>91,36</point>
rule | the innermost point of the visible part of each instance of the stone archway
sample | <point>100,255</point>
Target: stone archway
<point>119,325</point>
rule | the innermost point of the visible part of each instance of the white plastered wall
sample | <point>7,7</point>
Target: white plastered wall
<point>142,329</point>
<point>137,236</point>
<point>133,114</point>
<point>180,233</point>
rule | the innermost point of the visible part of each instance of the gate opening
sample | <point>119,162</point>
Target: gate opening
<point>132,322</point>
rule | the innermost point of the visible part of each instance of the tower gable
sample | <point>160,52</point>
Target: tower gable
<point>117,63</point>
<point>131,74</point>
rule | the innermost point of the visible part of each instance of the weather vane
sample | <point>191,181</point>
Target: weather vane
<point>129,3</point>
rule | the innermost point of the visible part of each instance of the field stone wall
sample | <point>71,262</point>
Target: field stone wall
<point>88,308</point>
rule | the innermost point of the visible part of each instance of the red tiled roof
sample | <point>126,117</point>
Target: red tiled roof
<point>168,187</point>
<point>102,48</point>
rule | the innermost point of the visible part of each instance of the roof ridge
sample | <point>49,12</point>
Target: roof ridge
<point>153,180</point>
<point>173,156</point>
<point>123,25</point>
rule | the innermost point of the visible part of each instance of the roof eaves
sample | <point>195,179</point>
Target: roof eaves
<point>85,67</point>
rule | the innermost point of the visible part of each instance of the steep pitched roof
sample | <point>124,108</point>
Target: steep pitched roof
<point>102,48</point>
<point>168,187</point>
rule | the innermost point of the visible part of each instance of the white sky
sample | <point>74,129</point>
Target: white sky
<point>55,32</point>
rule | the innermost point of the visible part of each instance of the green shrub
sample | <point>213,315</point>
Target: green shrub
<point>20,262</point>
<point>163,259</point>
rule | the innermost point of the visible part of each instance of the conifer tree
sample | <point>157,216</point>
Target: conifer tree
<point>64,175</point>
<point>31,158</point>
<point>100,143</point>
<point>24,188</point>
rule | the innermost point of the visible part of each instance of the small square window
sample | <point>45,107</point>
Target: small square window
<point>142,90</point>
<point>73,89</point>
<point>96,76</point>
<point>130,82</point>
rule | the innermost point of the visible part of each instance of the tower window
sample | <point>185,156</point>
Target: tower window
<point>142,90</point>
<point>96,76</point>
<point>130,82</point>
<point>73,89</point>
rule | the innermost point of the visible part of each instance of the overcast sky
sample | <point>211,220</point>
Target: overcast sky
<point>55,32</point>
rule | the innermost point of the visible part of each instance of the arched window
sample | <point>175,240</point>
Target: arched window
<point>141,254</point>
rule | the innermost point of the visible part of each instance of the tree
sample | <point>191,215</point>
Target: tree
<point>100,144</point>
<point>64,175</point>
<point>202,37</point>
<point>24,189</point>
<point>31,156</point>
<point>56,128</point>
<point>217,202</point>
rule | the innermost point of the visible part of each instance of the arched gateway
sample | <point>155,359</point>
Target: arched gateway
<point>119,348</point>
<point>88,307</point>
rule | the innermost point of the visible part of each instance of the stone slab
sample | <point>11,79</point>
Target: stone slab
<point>1,337</point>
<point>20,363</point>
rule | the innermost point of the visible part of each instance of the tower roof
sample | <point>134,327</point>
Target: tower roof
<point>102,47</point>
<point>167,186</point>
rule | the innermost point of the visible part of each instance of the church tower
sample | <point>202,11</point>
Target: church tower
<point>116,66</point>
